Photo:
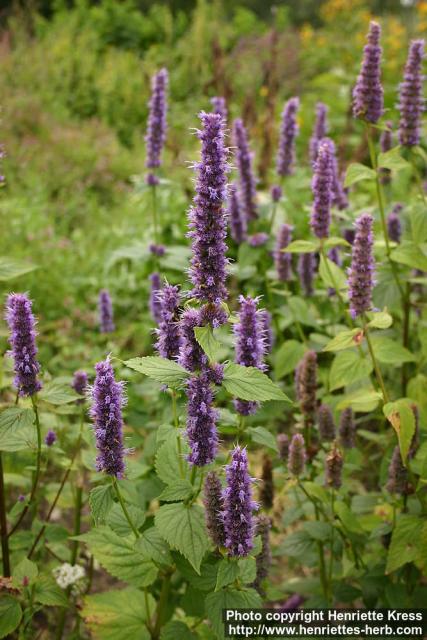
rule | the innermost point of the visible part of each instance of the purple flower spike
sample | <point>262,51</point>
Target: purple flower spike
<point>247,182</point>
<point>320,130</point>
<point>361,272</point>
<point>106,413</point>
<point>411,102</point>
<point>264,558</point>
<point>214,506</point>
<point>156,287</point>
<point>394,225</point>
<point>283,446</point>
<point>288,132</point>
<point>306,383</point>
<point>276,192</point>
<point>333,468</point>
<point>249,344</point>
<point>152,180</point>
<point>266,321</point>
<point>201,421</point>
<point>321,186</point>
<point>368,93</point>
<point>238,505</point>
<point>80,384</point>
<point>293,602</point>
<point>339,194</point>
<point>347,428</point>
<point>219,106</point>
<point>306,268</point>
<point>168,334</point>
<point>22,325</point>
<point>349,235</point>
<point>235,216</point>
<point>156,125</point>
<point>105,306</point>
<point>386,143</point>
<point>157,250</point>
<point>258,239</point>
<point>50,438</point>
<point>283,260</point>
<point>191,355</point>
<point>397,474</point>
<point>297,455</point>
<point>326,423</point>
<point>208,225</point>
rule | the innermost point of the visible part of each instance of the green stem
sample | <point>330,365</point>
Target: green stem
<point>273,216</point>
<point>154,211</point>
<point>161,606</point>
<point>322,566</point>
<point>331,559</point>
<point>374,361</point>
<point>3,525</point>
<point>178,439</point>
<point>77,522</point>
<point>418,178</point>
<point>123,506</point>
<point>193,473</point>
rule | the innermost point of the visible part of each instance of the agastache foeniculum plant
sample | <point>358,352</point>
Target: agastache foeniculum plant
<point>270,449</point>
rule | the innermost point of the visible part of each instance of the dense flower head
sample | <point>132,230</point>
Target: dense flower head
<point>326,423</point>
<point>347,428</point>
<point>214,506</point>
<point>168,333</point>
<point>368,93</point>
<point>238,505</point>
<point>411,102</point>
<point>152,180</point>
<point>321,186</point>
<point>258,239</point>
<point>191,355</point>
<point>297,455</point>
<point>266,321</point>
<point>105,307</point>
<point>219,106</point>
<point>307,385</point>
<point>293,602</point>
<point>266,494</point>
<point>156,125</point>
<point>283,446</point>
<point>288,132</point>
<point>247,182</point>
<point>394,225</point>
<point>386,143</point>
<point>333,468</point>
<point>201,421</point>
<point>156,287</point>
<point>264,558</point>
<point>236,219</point>
<point>80,384</point>
<point>157,250</point>
<point>361,272</point>
<point>282,259</point>
<point>349,235</point>
<point>276,192</point>
<point>339,193</point>
<point>397,481</point>
<point>22,326</point>
<point>207,220</point>
<point>50,438</point>
<point>106,412</point>
<point>306,268</point>
<point>319,131</point>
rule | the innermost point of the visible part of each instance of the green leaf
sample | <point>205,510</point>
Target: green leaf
<point>167,462</point>
<point>228,570</point>
<point>335,241</point>
<point>57,393</point>
<point>177,630</point>
<point>208,342</point>
<point>348,367</point>
<point>11,268</point>
<point>390,351</point>
<point>332,276</point>
<point>118,522</point>
<point>17,430</point>
<point>418,219</point>
<point>152,546</point>
<point>364,400</point>
<point>49,593</point>
<point>317,530</point>
<point>301,246</point>
<point>163,370</point>
<point>287,357</point>
<point>405,541</point>
<point>183,528</point>
<point>400,414</point>
<point>344,340</point>
<point>300,311</point>
<point>118,614</point>
<point>316,491</point>
<point>180,490</point>
<point>247,569</point>
<point>347,517</point>
<point>264,437</point>
<point>392,160</point>
<point>249,383</point>
<point>100,502</point>
<point>380,320</point>
<point>229,599</point>
<point>24,569</point>
<point>357,172</point>
<point>120,556</point>
<point>411,255</point>
<point>10,615</point>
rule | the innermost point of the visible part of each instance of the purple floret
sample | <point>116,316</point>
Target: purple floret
<point>368,93</point>
<point>238,505</point>
<point>156,125</point>
<point>105,306</point>
<point>288,132</point>
<point>201,421</point>
<point>361,272</point>
<point>411,102</point>
<point>247,182</point>
<point>169,333</point>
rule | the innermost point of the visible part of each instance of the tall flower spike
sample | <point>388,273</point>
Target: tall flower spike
<point>156,125</point>
<point>105,306</point>
<point>276,192</point>
<point>297,455</point>
<point>326,423</point>
<point>201,421</point>
<point>386,143</point>
<point>288,132</point>
<point>267,330</point>
<point>80,384</point>
<point>339,194</point>
<point>238,505</point>
<point>321,186</point>
<point>22,326</point>
<point>169,334</point>
<point>266,493</point>
<point>368,93</point>
<point>307,386</point>
<point>235,216</point>
<point>207,220</point>
<point>283,260</point>
<point>247,182</point>
<point>394,225</point>
<point>333,468</point>
<point>219,106</point>
<point>411,102</point>
<point>347,428</point>
<point>361,272</point>
<point>156,287</point>
<point>214,506</point>
<point>250,345</point>
<point>191,355</point>
<point>283,446</point>
<point>397,474</point>
<point>306,268</point>
<point>263,559</point>
<point>106,412</point>
<point>319,131</point>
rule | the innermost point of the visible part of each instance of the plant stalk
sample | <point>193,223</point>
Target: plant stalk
<point>3,525</point>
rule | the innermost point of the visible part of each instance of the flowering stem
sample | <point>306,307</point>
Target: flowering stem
<point>162,602</point>
<point>273,216</point>
<point>374,361</point>
<point>3,525</point>
<point>331,559</point>
<point>123,506</point>
<point>322,566</point>
<point>154,211</point>
<point>178,439</point>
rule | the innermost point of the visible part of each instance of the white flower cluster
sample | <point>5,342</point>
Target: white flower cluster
<point>68,574</point>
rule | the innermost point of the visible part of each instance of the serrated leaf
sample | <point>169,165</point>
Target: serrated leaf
<point>180,490</point>
<point>17,430</point>
<point>167,462</point>
<point>404,545</point>
<point>229,599</point>
<point>208,342</point>
<point>418,219</point>
<point>300,311</point>
<point>119,556</point>
<point>177,630</point>
<point>348,367</point>
<point>332,276</point>
<point>380,320</point>
<point>49,593</point>
<point>264,437</point>
<point>301,246</point>
<point>357,172</point>
<point>335,241</point>
<point>287,357</point>
<point>344,340</point>
<point>318,530</point>
<point>118,522</point>
<point>118,614</point>
<point>347,517</point>
<point>249,383</point>
<point>247,569</point>
<point>364,400</point>
<point>11,268</point>
<point>163,370</point>
<point>390,351</point>
<point>100,502</point>
<point>10,615</point>
<point>228,570</point>
<point>57,393</point>
<point>24,569</point>
<point>316,491</point>
<point>183,528</point>
<point>400,414</point>
<point>392,160</point>
<point>411,255</point>
<point>152,546</point>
